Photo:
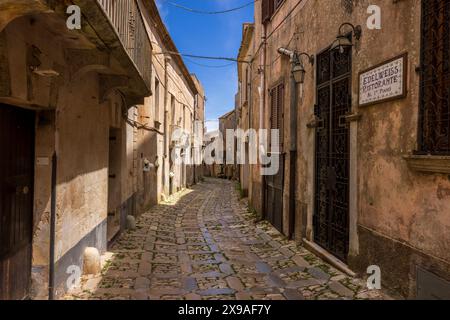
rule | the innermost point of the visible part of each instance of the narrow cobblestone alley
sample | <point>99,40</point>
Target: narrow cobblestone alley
<point>204,244</point>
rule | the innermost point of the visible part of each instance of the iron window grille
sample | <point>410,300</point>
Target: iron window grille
<point>434,126</point>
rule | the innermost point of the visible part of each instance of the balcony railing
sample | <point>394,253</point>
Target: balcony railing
<point>125,16</point>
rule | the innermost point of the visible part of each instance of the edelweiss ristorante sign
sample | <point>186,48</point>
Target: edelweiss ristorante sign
<point>386,81</point>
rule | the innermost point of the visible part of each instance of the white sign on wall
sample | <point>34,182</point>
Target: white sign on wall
<point>384,82</point>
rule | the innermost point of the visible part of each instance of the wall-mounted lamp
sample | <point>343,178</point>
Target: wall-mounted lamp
<point>298,70</point>
<point>343,41</point>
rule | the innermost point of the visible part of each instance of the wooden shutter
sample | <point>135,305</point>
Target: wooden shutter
<point>276,108</point>
<point>273,108</point>
<point>267,8</point>
<point>280,106</point>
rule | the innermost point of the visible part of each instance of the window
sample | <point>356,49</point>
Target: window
<point>268,8</point>
<point>276,109</point>
<point>434,126</point>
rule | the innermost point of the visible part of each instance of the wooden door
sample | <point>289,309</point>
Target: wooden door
<point>16,200</point>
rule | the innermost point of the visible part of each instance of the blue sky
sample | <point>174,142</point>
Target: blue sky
<point>209,35</point>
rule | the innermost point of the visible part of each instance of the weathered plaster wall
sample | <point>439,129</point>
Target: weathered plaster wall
<point>176,86</point>
<point>389,202</point>
<point>74,122</point>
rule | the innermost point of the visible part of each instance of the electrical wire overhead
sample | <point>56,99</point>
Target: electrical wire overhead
<point>210,12</point>
<point>200,57</point>
<point>209,66</point>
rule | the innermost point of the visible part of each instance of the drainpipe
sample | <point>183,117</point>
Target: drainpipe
<point>262,104</point>
<point>250,115</point>
<point>166,118</point>
<point>51,275</point>
<point>166,99</point>
<point>194,133</point>
<point>294,59</point>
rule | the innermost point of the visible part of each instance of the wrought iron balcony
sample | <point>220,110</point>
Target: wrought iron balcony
<point>126,18</point>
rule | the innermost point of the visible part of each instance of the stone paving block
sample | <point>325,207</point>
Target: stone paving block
<point>244,296</point>
<point>214,248</point>
<point>219,257</point>
<point>147,256</point>
<point>140,295</point>
<point>263,267</point>
<point>293,294</point>
<point>319,273</point>
<point>276,281</point>
<point>286,252</point>
<point>235,283</point>
<point>275,296</point>
<point>289,270</point>
<point>216,292</point>
<point>226,268</point>
<point>145,269</point>
<point>167,291</point>
<point>142,283</point>
<point>300,261</point>
<point>340,289</point>
<point>304,283</point>
<point>190,284</point>
<point>212,274</point>
<point>192,297</point>
<point>264,236</point>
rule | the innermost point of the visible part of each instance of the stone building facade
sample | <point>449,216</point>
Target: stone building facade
<point>199,133</point>
<point>177,105</point>
<point>80,131</point>
<point>211,168</point>
<point>228,122</point>
<point>244,104</point>
<point>363,179</point>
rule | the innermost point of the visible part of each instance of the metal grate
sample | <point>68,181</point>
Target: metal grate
<point>331,215</point>
<point>434,135</point>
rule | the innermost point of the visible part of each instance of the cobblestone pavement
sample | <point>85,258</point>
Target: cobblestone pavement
<point>204,244</point>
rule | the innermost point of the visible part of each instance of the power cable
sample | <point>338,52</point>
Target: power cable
<point>209,66</point>
<point>200,57</point>
<point>210,12</point>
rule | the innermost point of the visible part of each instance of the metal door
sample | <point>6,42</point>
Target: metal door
<point>16,200</point>
<point>273,197</point>
<point>331,216</point>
